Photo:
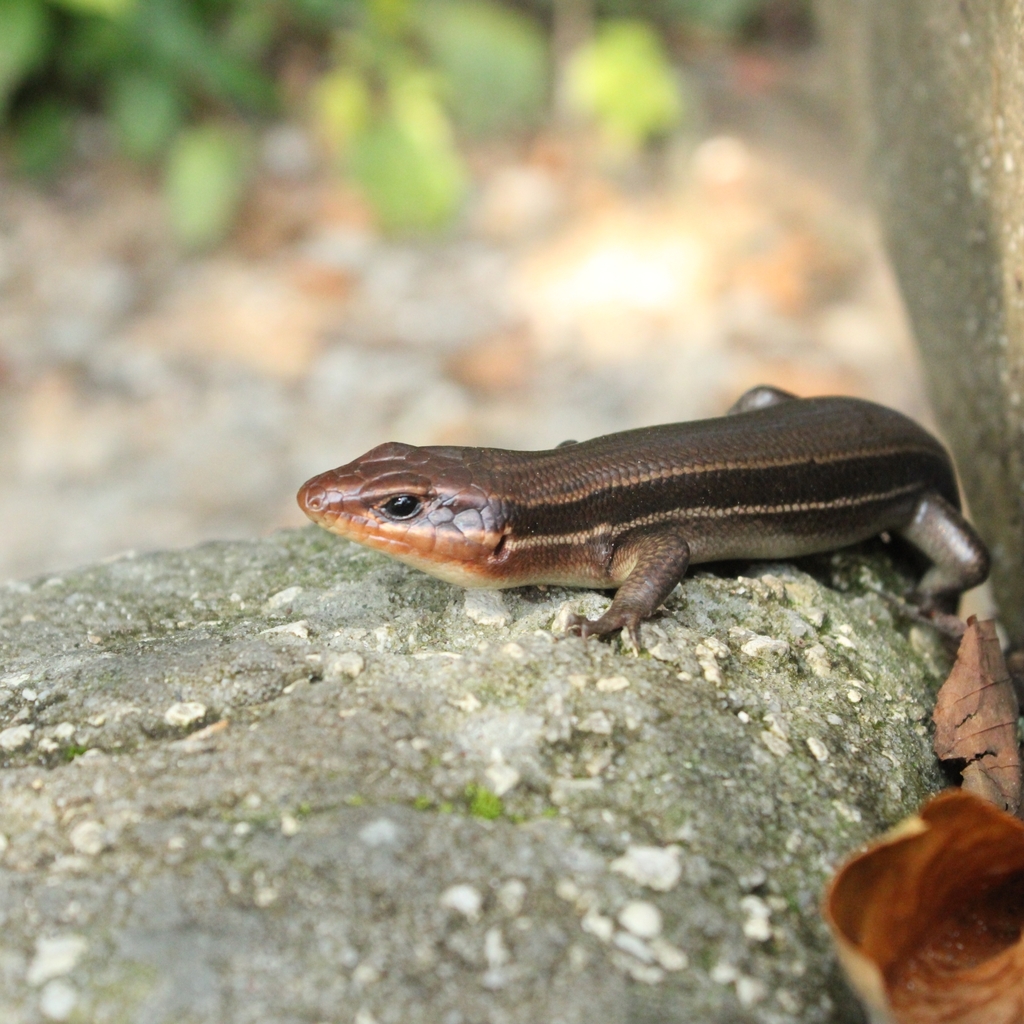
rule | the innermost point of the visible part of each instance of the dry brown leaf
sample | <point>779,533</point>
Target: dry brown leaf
<point>976,718</point>
<point>928,921</point>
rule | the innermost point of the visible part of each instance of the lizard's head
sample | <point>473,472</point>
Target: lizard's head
<point>420,505</point>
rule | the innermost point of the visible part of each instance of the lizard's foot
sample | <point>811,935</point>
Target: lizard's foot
<point>608,623</point>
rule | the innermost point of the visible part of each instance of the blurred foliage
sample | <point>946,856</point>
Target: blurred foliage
<point>204,183</point>
<point>389,84</point>
<point>624,80</point>
<point>494,62</point>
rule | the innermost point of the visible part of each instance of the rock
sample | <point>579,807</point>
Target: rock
<point>354,840</point>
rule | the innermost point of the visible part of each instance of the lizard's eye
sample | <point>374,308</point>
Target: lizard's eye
<point>401,506</point>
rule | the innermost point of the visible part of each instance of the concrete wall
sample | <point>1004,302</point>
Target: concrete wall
<point>934,90</point>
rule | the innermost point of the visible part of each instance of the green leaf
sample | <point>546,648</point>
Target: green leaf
<point>494,62</point>
<point>340,103</point>
<point>42,138</point>
<point>726,17</point>
<point>24,35</point>
<point>204,184</point>
<point>145,113</point>
<point>406,162</point>
<point>624,81</point>
<point>104,8</point>
<point>178,43</point>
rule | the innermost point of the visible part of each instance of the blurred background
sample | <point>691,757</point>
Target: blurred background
<point>243,241</point>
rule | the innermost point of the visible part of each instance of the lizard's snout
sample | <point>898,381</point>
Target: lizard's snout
<point>318,499</point>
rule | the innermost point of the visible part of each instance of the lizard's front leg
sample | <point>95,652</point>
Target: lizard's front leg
<point>651,563</point>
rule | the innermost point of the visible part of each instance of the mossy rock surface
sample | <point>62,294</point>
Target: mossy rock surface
<point>293,781</point>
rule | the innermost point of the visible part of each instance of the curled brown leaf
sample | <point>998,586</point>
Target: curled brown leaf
<point>976,719</point>
<point>928,921</point>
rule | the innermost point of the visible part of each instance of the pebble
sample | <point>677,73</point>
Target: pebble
<point>345,665</point>
<point>511,896</point>
<point>778,746</point>
<point>641,919</point>
<point>282,597</point>
<point>656,867</point>
<point>502,777</point>
<point>818,660</point>
<point>89,838</point>
<point>817,748</point>
<point>290,826</point>
<point>57,999</point>
<point>633,945</point>
<point>757,926</point>
<point>672,958</point>
<point>765,647</point>
<point>55,957</point>
<point>598,722</point>
<point>598,925</point>
<point>16,737</point>
<point>495,951</point>
<point>854,696</point>
<point>64,731</point>
<point>464,899</point>
<point>185,713</point>
<point>299,629</point>
<point>487,608</point>
<point>612,684</point>
<point>380,832</point>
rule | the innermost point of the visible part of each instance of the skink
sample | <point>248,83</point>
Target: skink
<point>776,477</point>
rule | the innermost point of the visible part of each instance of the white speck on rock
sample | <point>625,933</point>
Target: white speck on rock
<point>55,957</point>
<point>487,608</point>
<point>495,951</point>
<point>464,899</point>
<point>363,1016</point>
<point>672,958</point>
<point>724,974</point>
<point>817,748</point>
<point>854,696</point>
<point>641,918</point>
<point>757,926</point>
<point>750,991</point>
<point>467,703</point>
<point>380,832</point>
<point>299,629</point>
<point>264,896</point>
<point>706,657</point>
<point>633,945</point>
<point>656,867</point>
<point>185,713</point>
<point>290,825</point>
<point>778,746</point>
<point>513,650</point>
<point>347,664</point>
<point>611,684</point>
<point>598,722</point>
<point>598,925</point>
<point>818,660</point>
<point>89,838</point>
<point>765,647</point>
<point>16,737</point>
<point>502,777</point>
<point>851,814</point>
<point>57,999</point>
<point>511,896</point>
<point>282,597</point>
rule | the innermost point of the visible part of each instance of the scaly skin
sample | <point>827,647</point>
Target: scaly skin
<point>776,478</point>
